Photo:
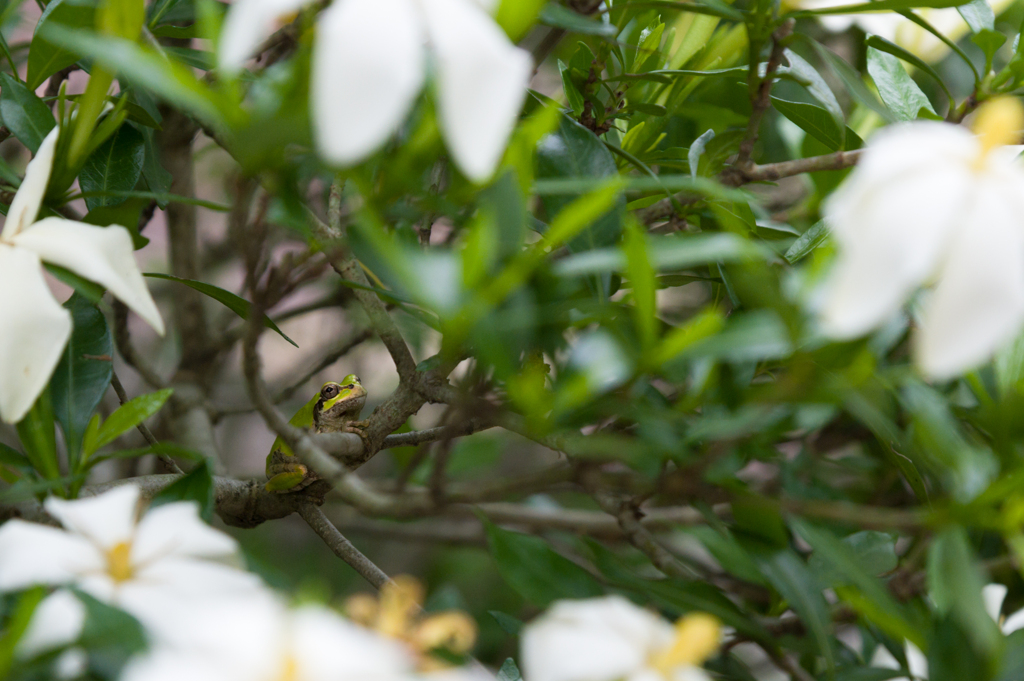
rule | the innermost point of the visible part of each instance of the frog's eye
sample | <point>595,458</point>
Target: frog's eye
<point>329,391</point>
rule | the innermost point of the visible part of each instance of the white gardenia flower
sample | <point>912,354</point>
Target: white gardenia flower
<point>933,203</point>
<point>363,84</point>
<point>261,640</point>
<point>610,639</point>
<point>149,567</point>
<point>35,326</point>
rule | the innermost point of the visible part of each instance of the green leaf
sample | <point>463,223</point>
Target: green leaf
<point>853,82</point>
<point>559,16</point>
<point>115,166</point>
<point>509,624</point>
<point>749,336</point>
<point>794,582</point>
<point>126,214</point>
<point>45,58</point>
<point>9,456</point>
<point>535,571</point>
<point>196,485</point>
<point>108,633</point>
<point>813,120</point>
<point>574,151</point>
<point>509,671</point>
<point>954,585</point>
<point>130,414</point>
<point>24,114</point>
<point>978,15</point>
<point>674,252</point>
<point>89,290</point>
<point>240,306</point>
<point>895,86</point>
<point>641,280</point>
<point>879,6</point>
<point>84,372</point>
<point>16,626</point>
<point>989,41</point>
<point>572,93</point>
<point>855,561</point>
<point>171,81</point>
<point>816,85</point>
<point>517,16</point>
<point>38,437</point>
<point>880,44</point>
<point>815,236</point>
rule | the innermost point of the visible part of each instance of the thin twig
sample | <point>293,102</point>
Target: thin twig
<point>341,546</point>
<point>122,397</point>
<point>736,177</point>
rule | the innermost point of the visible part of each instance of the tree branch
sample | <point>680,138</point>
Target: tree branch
<point>341,546</point>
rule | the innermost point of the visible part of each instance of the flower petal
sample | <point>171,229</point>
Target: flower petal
<point>891,236</point>
<point>247,24</point>
<point>38,554</point>
<point>106,519</point>
<point>364,80</point>
<point>979,301</point>
<point>325,646</point>
<point>482,81</point>
<point>177,530</point>
<point>56,622</point>
<point>1013,622</point>
<point>30,194</point>
<point>101,254</point>
<point>35,330</point>
<point>595,639</point>
<point>993,595</point>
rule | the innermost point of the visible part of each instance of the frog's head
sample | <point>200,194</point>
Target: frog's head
<point>339,402</point>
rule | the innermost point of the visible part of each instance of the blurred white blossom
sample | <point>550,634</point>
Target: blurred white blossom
<point>933,203</point>
<point>265,641</point>
<point>151,567</point>
<point>35,326</point>
<point>610,639</point>
<point>363,84</point>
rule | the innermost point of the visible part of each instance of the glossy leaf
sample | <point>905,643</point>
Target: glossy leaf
<point>813,120</point>
<point>114,167</point>
<point>38,437</point>
<point>128,415</point>
<point>559,16</point>
<point>45,58</point>
<point>83,375</point>
<point>24,114</point>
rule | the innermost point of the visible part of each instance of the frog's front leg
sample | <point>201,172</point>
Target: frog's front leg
<point>359,428</point>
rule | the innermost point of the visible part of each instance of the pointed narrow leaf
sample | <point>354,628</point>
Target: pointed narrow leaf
<point>240,306</point>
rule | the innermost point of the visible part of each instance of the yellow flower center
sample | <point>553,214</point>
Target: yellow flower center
<point>697,638</point>
<point>119,563</point>
<point>398,614</point>
<point>290,669</point>
<point>998,122</point>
